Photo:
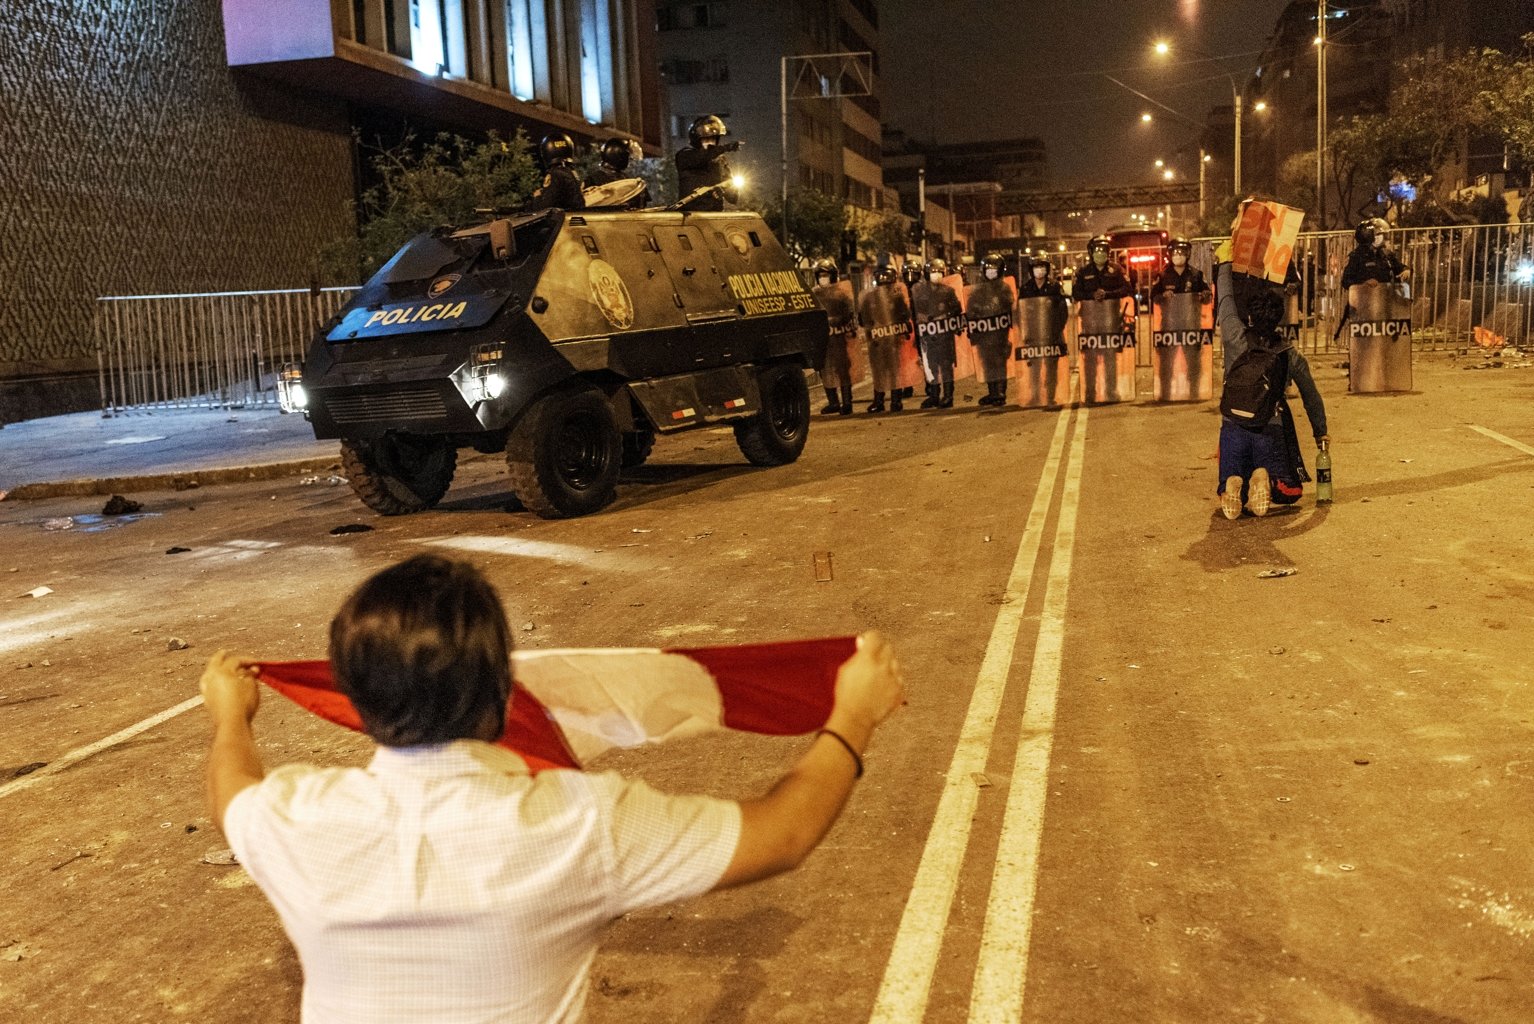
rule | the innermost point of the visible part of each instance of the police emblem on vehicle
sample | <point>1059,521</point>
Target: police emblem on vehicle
<point>442,284</point>
<point>610,294</point>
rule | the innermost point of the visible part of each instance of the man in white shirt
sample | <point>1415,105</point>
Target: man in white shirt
<point>444,882</point>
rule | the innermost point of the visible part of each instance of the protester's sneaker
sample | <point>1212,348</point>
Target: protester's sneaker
<point>1258,492</point>
<point>1230,501</point>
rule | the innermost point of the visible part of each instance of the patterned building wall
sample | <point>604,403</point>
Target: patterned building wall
<point>132,160</point>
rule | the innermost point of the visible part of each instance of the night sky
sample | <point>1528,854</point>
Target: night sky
<point>955,70</point>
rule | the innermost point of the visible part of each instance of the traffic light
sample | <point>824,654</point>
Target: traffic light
<point>849,246</point>
<point>918,230</point>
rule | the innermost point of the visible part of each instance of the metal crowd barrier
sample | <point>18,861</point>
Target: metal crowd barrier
<point>213,350</point>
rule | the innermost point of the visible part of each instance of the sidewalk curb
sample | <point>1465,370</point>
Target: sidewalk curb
<point>178,481</point>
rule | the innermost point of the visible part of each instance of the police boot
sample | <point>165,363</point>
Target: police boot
<point>877,405</point>
<point>897,400</point>
<point>990,395</point>
<point>846,406</point>
<point>833,404</point>
<point>946,402</point>
<point>932,400</point>
<point>1001,391</point>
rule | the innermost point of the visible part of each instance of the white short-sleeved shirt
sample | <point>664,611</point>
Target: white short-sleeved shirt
<point>446,885</point>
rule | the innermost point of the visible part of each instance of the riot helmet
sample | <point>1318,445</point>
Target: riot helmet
<point>936,270</point>
<point>555,149</point>
<point>1179,247</point>
<point>991,267</point>
<point>616,153</point>
<point>1098,245</point>
<point>885,274</point>
<point>709,126</point>
<point>910,272</point>
<point>825,267</point>
<point>1039,267</point>
<point>1371,231</point>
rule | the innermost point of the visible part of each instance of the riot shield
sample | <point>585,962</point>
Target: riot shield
<point>1182,356</point>
<point>1042,359</point>
<point>844,363</point>
<point>964,353</point>
<point>1379,339</point>
<point>882,315</point>
<point>1106,336</point>
<point>910,375</point>
<point>988,312</point>
<point>938,321</point>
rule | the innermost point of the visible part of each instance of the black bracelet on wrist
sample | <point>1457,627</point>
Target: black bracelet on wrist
<point>838,737</point>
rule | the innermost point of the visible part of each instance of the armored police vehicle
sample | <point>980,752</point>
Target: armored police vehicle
<point>568,340</point>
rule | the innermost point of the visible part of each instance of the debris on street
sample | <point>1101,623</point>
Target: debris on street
<point>822,563</point>
<point>351,528</point>
<point>38,592</point>
<point>1276,574</point>
<point>177,550</point>
<point>220,858</point>
<point>117,505</point>
<point>175,643</point>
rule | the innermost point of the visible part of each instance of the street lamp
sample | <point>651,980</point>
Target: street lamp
<point>1236,102</point>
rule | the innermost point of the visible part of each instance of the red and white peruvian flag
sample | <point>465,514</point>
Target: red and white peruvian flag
<point>571,706</point>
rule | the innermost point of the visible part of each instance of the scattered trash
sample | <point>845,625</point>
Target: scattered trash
<point>330,481</point>
<point>1406,460</point>
<point>175,643</point>
<point>987,538</point>
<point>220,858</point>
<point>59,523</point>
<point>528,627</point>
<point>177,551</point>
<point>1132,665</point>
<point>81,855</point>
<point>137,439</point>
<point>1276,574</point>
<point>117,505</point>
<point>38,592</point>
<point>190,829</point>
<point>1275,650</point>
<point>1360,760</point>
<point>822,563</point>
<point>1282,799</point>
<point>1345,867</point>
<point>28,769</point>
<point>351,528</point>
<point>1379,620</point>
<point>638,530</point>
<point>18,951</point>
<point>980,779</point>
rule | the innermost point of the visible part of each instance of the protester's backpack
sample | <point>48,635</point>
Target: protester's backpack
<point>1254,386</point>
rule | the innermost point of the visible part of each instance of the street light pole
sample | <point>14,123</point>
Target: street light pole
<point>783,111</point>
<point>1237,102</point>
<point>1203,159</point>
<point>1321,113</point>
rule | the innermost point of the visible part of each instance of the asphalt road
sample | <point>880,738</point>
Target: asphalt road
<point>1135,781</point>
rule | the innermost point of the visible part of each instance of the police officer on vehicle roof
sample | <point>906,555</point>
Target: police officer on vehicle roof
<point>842,321</point>
<point>937,309</point>
<point>1370,260</point>
<point>1179,276</point>
<point>702,163</point>
<point>616,154</point>
<point>1100,277</point>
<point>561,189</point>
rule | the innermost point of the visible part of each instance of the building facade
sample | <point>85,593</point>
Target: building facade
<point>173,146</point>
<point>727,57</point>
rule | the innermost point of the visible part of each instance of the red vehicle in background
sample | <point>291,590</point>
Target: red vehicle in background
<point>1142,254</point>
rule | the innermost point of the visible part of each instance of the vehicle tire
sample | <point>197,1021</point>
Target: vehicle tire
<point>564,454</point>
<point>637,446</point>
<point>399,473</point>
<point>776,435</point>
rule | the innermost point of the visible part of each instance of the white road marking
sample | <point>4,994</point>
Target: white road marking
<point>1504,439</point>
<point>81,753</point>
<point>1002,972</point>
<point>907,980</point>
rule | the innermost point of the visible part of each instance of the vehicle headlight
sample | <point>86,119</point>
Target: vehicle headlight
<point>291,396</point>
<point>495,384</point>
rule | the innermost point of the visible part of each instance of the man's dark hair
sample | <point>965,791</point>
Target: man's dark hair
<point>422,651</point>
<point>1264,312</point>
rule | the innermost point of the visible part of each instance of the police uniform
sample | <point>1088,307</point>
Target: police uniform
<point>1111,279</point>
<point>938,315</point>
<point>989,316</point>
<point>605,175</point>
<point>1049,380</point>
<point>836,374</point>
<point>885,316</point>
<point>1371,263</point>
<point>1181,282</point>
<point>561,190</point>
<point>699,166</point>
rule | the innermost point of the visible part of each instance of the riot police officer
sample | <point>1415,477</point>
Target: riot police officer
<point>1039,285</point>
<point>561,189</point>
<point>939,314</point>
<point>988,313</point>
<point>1100,277</point>
<point>885,317</point>
<point>702,163</point>
<point>836,373</point>
<point>616,154</point>
<point>1038,282</point>
<point>1370,259</point>
<point>1179,276</point>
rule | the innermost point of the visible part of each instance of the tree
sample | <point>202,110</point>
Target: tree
<point>880,232</point>
<point>815,223</point>
<point>422,186</point>
<point>1510,99</point>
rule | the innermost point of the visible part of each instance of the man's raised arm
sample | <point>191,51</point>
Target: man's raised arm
<point>231,695</point>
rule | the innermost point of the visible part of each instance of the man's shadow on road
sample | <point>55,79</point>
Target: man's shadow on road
<point>1231,544</point>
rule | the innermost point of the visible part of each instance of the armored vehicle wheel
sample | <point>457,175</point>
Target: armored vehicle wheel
<point>399,473</point>
<point>637,446</point>
<point>564,454</point>
<point>776,436</point>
